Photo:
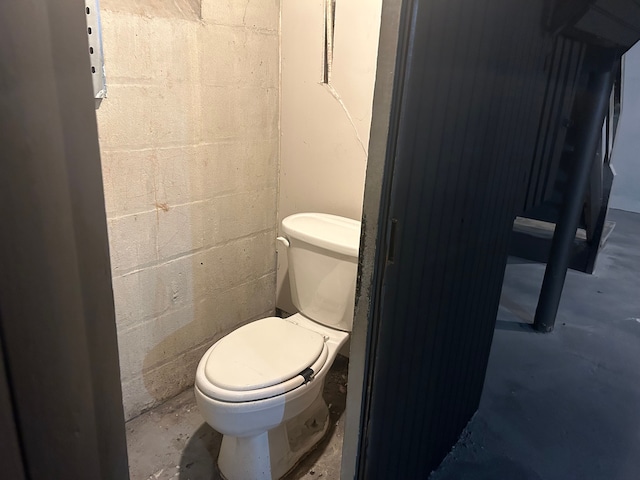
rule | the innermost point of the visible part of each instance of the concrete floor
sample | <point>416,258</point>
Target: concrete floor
<point>173,442</point>
<point>557,406</point>
<point>564,405</point>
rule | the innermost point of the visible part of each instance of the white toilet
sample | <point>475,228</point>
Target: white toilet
<point>261,385</point>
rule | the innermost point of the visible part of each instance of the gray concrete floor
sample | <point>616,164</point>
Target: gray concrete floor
<point>172,441</point>
<point>564,405</point>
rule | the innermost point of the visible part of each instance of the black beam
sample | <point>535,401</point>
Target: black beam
<point>589,115</point>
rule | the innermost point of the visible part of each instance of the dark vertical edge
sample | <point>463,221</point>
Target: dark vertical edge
<point>57,317</point>
<point>555,121</point>
<point>390,74</point>
<point>90,231</point>
<point>554,102</point>
<point>489,262</point>
<point>532,58</point>
<point>544,120</point>
<point>454,176</point>
<point>388,339</point>
<point>11,457</point>
<point>594,248</point>
<point>455,361</point>
<point>473,239</point>
<point>437,195</point>
<point>549,178</point>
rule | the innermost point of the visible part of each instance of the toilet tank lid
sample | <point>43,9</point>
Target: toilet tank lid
<point>338,234</point>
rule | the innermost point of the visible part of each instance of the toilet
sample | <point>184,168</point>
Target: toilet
<point>261,385</point>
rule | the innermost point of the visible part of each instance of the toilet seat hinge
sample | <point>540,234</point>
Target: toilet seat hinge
<point>307,374</point>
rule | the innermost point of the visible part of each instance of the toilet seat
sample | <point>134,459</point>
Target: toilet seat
<point>265,358</point>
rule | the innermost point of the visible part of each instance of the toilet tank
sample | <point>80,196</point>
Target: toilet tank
<point>323,266</point>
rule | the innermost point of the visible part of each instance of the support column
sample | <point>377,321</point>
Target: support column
<point>589,116</point>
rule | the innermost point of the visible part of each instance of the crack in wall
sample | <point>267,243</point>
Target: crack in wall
<point>336,95</point>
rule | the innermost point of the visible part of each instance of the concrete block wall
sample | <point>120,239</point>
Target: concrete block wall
<point>189,136</point>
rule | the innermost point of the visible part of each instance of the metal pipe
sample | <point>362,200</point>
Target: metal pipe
<point>284,241</point>
<point>594,108</point>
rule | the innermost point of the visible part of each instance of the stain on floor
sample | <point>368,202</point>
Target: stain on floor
<point>172,441</point>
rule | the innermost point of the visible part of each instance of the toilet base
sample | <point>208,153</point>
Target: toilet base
<point>271,454</point>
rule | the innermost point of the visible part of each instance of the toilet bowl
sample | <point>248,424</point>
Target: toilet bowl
<point>261,385</point>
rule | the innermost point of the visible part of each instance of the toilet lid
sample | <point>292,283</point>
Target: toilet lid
<point>263,353</point>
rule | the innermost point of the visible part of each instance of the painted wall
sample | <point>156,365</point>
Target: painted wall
<point>325,128</point>
<point>625,193</point>
<point>189,144</point>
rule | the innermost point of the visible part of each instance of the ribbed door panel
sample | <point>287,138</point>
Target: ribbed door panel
<point>560,86</point>
<point>479,76</point>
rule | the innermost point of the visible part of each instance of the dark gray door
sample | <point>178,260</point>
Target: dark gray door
<point>471,85</point>
<point>60,400</point>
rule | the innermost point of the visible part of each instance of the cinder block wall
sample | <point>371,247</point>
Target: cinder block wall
<point>189,141</point>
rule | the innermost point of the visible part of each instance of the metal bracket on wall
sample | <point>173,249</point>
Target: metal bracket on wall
<point>94,35</point>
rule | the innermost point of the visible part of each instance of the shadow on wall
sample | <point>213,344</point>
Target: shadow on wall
<point>162,383</point>
<point>219,272</point>
<point>218,275</point>
<point>284,300</point>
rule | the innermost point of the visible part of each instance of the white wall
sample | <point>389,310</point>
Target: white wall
<point>625,193</point>
<point>189,143</point>
<point>325,128</point>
